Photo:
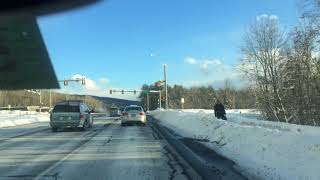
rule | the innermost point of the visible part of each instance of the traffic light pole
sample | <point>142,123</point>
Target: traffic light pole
<point>148,105</point>
<point>143,91</point>
<point>40,99</point>
<point>66,82</point>
<point>165,85</point>
<point>160,99</point>
<point>50,99</point>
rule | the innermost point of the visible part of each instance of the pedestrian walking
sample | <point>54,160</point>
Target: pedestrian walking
<point>219,111</point>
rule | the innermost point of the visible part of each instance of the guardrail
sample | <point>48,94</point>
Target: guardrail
<point>26,108</point>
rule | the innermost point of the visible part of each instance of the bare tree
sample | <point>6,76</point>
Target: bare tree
<point>263,59</point>
<point>302,75</point>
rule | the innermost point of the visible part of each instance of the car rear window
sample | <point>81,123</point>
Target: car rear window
<point>133,109</point>
<point>66,108</point>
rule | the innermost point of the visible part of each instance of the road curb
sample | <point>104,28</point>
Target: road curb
<point>184,151</point>
<point>206,171</point>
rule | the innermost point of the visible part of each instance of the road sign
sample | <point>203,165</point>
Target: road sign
<point>182,100</point>
<point>146,91</point>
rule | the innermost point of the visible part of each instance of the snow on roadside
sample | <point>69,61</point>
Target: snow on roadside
<point>263,149</point>
<point>16,118</point>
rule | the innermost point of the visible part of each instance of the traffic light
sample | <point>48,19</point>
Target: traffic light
<point>83,82</point>
<point>110,91</point>
<point>122,91</point>
<point>65,83</point>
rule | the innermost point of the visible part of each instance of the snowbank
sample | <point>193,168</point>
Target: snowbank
<point>263,149</point>
<point>16,118</point>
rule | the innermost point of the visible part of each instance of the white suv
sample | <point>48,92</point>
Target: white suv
<point>132,115</point>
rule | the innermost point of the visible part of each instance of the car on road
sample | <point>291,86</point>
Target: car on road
<point>71,114</point>
<point>114,112</point>
<point>133,115</point>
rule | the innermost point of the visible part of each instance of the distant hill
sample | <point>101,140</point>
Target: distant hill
<point>117,102</point>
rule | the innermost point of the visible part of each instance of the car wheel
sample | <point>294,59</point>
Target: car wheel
<point>54,129</point>
<point>90,124</point>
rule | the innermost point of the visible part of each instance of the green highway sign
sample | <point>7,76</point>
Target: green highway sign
<point>24,60</point>
<point>145,91</point>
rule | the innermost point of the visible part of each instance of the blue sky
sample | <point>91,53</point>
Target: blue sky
<point>123,43</point>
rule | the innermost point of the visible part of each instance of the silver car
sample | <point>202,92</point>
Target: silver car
<point>132,115</point>
<point>71,114</point>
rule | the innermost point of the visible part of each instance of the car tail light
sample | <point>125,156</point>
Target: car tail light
<point>125,114</point>
<point>81,116</point>
<point>141,113</point>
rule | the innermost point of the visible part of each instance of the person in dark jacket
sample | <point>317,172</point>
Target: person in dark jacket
<point>219,111</point>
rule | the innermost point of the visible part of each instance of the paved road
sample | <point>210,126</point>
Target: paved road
<point>106,151</point>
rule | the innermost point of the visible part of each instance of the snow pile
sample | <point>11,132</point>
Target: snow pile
<point>263,149</point>
<point>16,118</point>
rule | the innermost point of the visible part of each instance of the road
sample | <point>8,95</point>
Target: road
<point>105,151</point>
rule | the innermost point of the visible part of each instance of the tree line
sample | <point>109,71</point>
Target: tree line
<point>25,98</point>
<point>203,97</point>
<point>284,67</point>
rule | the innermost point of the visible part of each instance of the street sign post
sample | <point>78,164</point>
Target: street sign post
<point>182,103</point>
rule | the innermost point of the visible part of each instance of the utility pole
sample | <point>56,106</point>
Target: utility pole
<point>165,85</point>
<point>148,102</point>
<point>50,99</point>
<point>160,99</point>
<point>40,99</point>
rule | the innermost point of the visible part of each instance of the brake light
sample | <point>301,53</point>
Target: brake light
<point>141,113</point>
<point>81,116</point>
<point>125,114</point>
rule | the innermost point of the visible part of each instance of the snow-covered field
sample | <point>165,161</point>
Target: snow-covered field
<point>16,118</point>
<point>263,149</point>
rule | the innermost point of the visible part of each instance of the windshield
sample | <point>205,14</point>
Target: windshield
<point>160,90</point>
<point>133,109</point>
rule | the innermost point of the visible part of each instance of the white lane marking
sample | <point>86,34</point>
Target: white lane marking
<point>51,168</point>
